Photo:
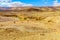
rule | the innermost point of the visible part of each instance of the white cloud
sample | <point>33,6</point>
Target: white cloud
<point>9,3</point>
<point>56,3</point>
<point>20,4</point>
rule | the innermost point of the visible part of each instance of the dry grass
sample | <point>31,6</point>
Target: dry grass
<point>31,26</point>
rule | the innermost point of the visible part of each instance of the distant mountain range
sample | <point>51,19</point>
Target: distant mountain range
<point>41,9</point>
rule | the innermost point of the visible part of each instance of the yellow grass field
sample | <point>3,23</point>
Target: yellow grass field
<point>30,25</point>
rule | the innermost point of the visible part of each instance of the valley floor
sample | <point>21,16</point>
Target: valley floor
<point>32,26</point>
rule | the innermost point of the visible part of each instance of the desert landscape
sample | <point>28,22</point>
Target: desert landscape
<point>30,23</point>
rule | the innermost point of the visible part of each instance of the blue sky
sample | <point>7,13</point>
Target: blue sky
<point>39,2</point>
<point>34,2</point>
<point>15,3</point>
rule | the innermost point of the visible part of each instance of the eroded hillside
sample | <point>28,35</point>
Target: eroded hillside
<point>30,24</point>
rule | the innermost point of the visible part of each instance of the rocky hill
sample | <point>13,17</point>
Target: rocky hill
<point>41,9</point>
